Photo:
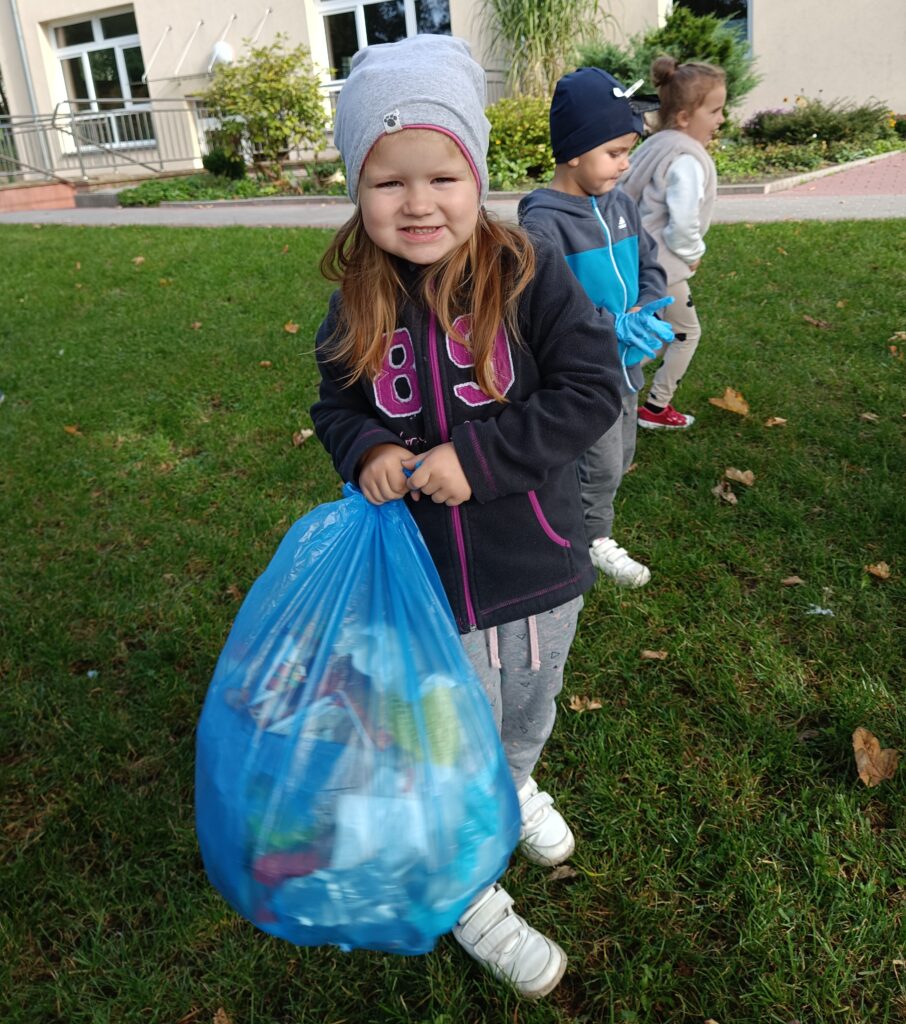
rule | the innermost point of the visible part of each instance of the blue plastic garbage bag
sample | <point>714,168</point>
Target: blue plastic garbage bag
<point>350,785</point>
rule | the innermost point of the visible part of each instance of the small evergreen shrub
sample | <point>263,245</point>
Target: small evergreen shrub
<point>811,120</point>
<point>685,37</point>
<point>223,164</point>
<point>519,149</point>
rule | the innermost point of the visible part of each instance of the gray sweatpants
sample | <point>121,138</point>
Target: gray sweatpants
<point>602,468</point>
<point>521,671</point>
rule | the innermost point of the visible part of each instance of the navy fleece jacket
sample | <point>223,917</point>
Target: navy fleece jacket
<point>602,238</point>
<point>517,546</point>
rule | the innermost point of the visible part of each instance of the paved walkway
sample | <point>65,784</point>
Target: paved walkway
<point>870,191</point>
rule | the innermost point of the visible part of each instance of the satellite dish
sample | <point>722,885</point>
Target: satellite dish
<point>222,53</point>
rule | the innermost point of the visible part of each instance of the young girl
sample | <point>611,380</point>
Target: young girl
<point>672,178</point>
<point>463,367</point>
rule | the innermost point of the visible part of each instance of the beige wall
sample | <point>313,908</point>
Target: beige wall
<point>828,49</point>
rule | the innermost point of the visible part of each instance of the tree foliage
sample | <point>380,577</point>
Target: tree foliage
<point>684,36</point>
<point>272,99</point>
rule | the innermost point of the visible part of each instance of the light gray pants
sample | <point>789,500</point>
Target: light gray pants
<point>602,468</point>
<point>683,318</point>
<point>520,665</point>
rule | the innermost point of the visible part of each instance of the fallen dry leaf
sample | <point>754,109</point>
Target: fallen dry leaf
<point>78,265</point>
<point>775,421</point>
<point>815,322</point>
<point>873,764</point>
<point>577,703</point>
<point>138,260</point>
<point>898,336</point>
<point>165,282</point>
<point>562,872</point>
<point>290,327</point>
<point>782,251</point>
<point>732,401</point>
<point>724,492</point>
<point>195,325</point>
<point>841,303</point>
<point>653,655</point>
<point>74,430</point>
<point>222,1017</point>
<point>741,476</point>
<point>633,466</point>
<point>285,248</point>
<point>234,592</point>
<point>301,436</point>
<point>265,364</point>
<point>869,417</point>
<point>792,581</point>
<point>879,569</point>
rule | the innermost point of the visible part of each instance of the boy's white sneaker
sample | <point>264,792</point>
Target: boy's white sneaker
<point>545,837</point>
<point>615,562</point>
<point>498,938</point>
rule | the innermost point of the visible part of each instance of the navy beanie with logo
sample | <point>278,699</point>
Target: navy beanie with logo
<point>589,108</point>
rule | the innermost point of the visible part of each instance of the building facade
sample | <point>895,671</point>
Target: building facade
<point>95,72</point>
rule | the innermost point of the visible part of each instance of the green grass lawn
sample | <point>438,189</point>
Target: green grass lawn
<point>730,864</point>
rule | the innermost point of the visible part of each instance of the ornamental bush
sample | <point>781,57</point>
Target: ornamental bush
<point>815,120</point>
<point>272,99</point>
<point>685,37</point>
<point>519,149</point>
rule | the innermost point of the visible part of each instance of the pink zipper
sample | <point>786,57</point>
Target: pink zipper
<point>445,436</point>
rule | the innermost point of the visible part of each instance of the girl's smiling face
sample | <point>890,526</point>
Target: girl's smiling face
<point>418,195</point>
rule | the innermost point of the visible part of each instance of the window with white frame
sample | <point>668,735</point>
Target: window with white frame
<point>349,26</point>
<point>104,76</point>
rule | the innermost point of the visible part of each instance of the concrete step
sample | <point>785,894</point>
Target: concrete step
<point>103,197</point>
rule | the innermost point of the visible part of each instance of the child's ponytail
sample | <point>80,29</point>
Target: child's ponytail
<point>682,86</point>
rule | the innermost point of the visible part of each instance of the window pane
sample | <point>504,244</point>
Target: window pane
<point>119,25</point>
<point>135,68</point>
<point>342,42</point>
<point>76,87</point>
<point>74,35</point>
<point>433,16</point>
<point>107,87</point>
<point>385,22</point>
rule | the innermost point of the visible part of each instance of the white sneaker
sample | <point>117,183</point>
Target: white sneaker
<point>545,837</point>
<point>497,937</point>
<point>615,562</point>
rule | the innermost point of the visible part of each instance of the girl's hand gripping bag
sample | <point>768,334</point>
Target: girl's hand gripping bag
<point>351,787</point>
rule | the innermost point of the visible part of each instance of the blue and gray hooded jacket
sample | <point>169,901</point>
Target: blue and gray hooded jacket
<point>605,246</point>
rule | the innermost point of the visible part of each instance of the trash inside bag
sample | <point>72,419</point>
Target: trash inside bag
<point>351,788</point>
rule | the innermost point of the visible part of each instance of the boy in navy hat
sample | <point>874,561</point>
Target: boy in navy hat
<point>593,128</point>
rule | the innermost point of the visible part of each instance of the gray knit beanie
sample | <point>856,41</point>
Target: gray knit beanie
<point>425,81</point>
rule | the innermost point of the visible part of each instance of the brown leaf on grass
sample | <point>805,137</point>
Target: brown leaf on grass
<point>895,352</point>
<point>633,466</point>
<point>165,282</point>
<point>782,251</point>
<point>78,265</point>
<point>898,336</point>
<point>234,592</point>
<point>577,703</point>
<point>732,401</point>
<point>285,248</point>
<point>291,327</point>
<point>562,873</point>
<point>879,569</point>
<point>222,1017</point>
<point>873,764</point>
<point>138,260</point>
<point>815,322</point>
<point>73,429</point>
<point>792,581</point>
<point>195,325</point>
<point>265,364</point>
<point>841,303</point>
<point>301,436</point>
<point>725,492</point>
<point>653,655</point>
<point>741,476</point>
<point>775,421</point>
<point>869,417</point>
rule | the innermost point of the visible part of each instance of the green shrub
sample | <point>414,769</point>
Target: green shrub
<point>222,164</point>
<point>685,36</point>
<point>519,149</point>
<point>899,125</point>
<point>837,121</point>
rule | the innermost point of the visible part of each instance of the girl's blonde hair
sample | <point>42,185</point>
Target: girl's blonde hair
<point>483,279</point>
<point>682,86</point>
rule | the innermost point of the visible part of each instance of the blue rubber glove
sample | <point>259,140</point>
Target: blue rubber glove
<point>641,334</point>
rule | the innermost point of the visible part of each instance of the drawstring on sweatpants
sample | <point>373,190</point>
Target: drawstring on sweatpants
<point>534,649</point>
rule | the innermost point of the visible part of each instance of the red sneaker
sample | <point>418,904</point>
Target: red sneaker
<point>667,419</point>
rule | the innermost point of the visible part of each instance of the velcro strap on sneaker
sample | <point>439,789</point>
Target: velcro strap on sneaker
<point>498,938</point>
<point>484,919</point>
<point>535,804</point>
